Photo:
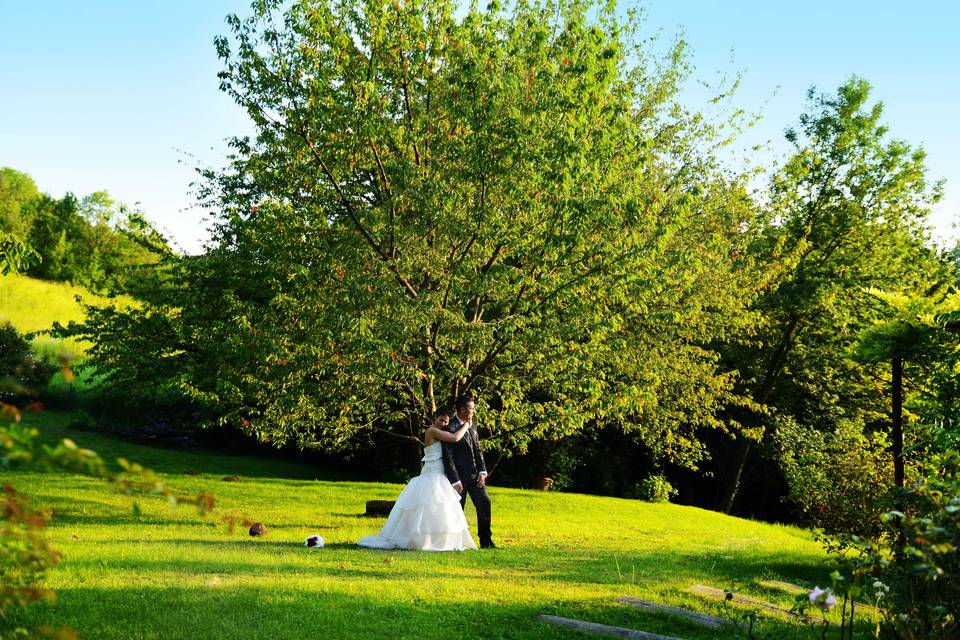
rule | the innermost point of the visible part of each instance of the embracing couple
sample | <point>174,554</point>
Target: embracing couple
<point>428,514</point>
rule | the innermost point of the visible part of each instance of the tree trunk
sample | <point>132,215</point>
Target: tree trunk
<point>414,456</point>
<point>897,419</point>
<point>743,446</point>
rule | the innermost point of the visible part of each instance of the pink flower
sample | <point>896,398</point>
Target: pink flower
<point>823,598</point>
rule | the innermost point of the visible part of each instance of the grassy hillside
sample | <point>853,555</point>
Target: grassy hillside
<point>34,305</point>
<point>172,573</point>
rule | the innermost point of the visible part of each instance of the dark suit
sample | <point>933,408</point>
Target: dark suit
<point>463,462</point>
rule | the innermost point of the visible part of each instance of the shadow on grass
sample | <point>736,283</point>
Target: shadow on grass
<point>342,591</point>
<point>231,612</point>
<point>244,570</point>
<point>54,426</point>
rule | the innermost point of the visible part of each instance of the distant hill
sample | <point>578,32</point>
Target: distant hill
<point>34,305</point>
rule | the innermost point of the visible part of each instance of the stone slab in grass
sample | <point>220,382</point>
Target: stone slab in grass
<point>786,587</point>
<point>796,590</point>
<point>702,619</point>
<point>720,594</point>
<point>605,629</point>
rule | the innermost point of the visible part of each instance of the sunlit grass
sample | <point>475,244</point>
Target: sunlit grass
<point>34,305</point>
<point>172,573</point>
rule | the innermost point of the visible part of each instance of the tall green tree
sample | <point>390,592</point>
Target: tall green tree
<point>849,210</point>
<point>919,342</point>
<point>512,204</point>
<point>18,193</point>
<point>93,241</point>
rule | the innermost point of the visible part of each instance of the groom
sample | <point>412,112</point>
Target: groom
<point>464,466</point>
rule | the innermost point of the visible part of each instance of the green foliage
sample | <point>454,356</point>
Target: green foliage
<point>911,569</point>
<point>15,254</point>
<point>924,576</point>
<point>18,193</point>
<point>908,559</point>
<point>923,331</point>
<point>22,373</point>
<point>847,213</point>
<point>654,488</point>
<point>93,241</point>
<point>512,203</point>
<point>840,481</point>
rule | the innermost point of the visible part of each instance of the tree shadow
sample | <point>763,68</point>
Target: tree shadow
<point>343,591</point>
<point>228,612</point>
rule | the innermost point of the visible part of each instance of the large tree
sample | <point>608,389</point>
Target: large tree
<point>849,212</point>
<point>511,203</point>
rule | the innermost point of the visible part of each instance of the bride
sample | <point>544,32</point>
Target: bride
<point>427,515</point>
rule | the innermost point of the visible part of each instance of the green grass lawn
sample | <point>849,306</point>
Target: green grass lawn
<point>171,573</point>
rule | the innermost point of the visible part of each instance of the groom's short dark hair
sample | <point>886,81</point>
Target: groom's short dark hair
<point>463,401</point>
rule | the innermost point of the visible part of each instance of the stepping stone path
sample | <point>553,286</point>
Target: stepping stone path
<point>593,627</point>
<point>712,622</point>
<point>703,619</point>
<point>720,594</point>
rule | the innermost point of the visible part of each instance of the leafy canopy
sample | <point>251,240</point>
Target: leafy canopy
<point>511,203</point>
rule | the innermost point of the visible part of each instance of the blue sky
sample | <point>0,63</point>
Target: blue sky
<point>123,96</point>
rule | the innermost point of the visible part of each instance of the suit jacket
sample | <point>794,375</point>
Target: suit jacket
<point>463,458</point>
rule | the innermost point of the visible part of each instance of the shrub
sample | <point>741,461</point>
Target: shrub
<point>840,481</point>
<point>655,488</point>
<point>21,372</point>
<point>917,577</point>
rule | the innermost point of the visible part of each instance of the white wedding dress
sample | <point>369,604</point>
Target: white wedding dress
<point>427,515</point>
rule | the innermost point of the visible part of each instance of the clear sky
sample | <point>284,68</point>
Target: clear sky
<point>123,96</point>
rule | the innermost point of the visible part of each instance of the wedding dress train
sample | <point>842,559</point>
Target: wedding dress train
<point>427,515</point>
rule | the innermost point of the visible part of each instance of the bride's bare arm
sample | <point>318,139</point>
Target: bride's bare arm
<point>446,436</point>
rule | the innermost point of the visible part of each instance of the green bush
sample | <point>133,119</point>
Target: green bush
<point>655,488</point>
<point>22,373</point>
<point>840,481</point>
<point>915,569</point>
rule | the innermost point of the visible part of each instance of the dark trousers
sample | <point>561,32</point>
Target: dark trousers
<point>481,502</point>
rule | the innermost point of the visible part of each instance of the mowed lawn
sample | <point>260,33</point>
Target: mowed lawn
<point>171,573</point>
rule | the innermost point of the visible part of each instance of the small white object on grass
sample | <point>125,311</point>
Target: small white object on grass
<point>313,541</point>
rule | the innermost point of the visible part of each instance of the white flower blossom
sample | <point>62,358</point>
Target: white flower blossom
<point>823,598</point>
<point>815,594</point>
<point>880,589</point>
